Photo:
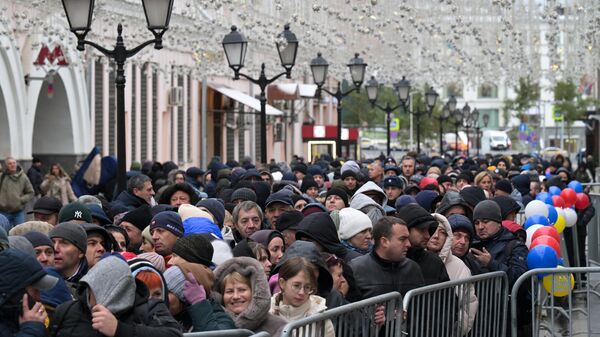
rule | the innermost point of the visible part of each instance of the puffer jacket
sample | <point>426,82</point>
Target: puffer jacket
<point>457,270</point>
<point>256,317</point>
<point>15,191</point>
<point>365,204</point>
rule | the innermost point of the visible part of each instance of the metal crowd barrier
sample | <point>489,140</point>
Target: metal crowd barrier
<point>593,235</point>
<point>475,306</point>
<point>226,333</point>
<point>353,319</point>
<point>560,306</point>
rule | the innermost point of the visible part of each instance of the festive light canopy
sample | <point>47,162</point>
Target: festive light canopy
<point>429,41</point>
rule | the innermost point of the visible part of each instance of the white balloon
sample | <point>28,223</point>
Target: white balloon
<point>561,211</point>
<point>536,207</point>
<point>570,217</point>
<point>530,231</point>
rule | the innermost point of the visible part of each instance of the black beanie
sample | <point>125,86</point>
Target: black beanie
<point>340,193</point>
<point>472,195</point>
<point>507,205</point>
<point>139,217</point>
<point>487,210</point>
<point>308,183</point>
<point>504,185</point>
<point>416,216</point>
<point>216,208</point>
<point>194,248</point>
<point>289,220</point>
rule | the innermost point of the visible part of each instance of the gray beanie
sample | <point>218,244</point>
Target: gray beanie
<point>22,244</point>
<point>488,210</point>
<point>175,282</point>
<point>244,194</point>
<point>71,232</point>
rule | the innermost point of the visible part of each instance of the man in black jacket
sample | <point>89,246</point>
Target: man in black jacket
<point>421,226</point>
<point>386,268</point>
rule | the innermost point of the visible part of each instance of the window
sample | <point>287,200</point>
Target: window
<point>494,121</point>
<point>454,89</point>
<point>488,90</point>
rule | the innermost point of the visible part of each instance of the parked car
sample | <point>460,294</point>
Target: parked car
<point>495,140</point>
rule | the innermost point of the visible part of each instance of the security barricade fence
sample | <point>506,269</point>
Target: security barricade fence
<point>559,305</point>
<point>475,306</point>
<point>225,333</point>
<point>593,233</point>
<point>353,319</point>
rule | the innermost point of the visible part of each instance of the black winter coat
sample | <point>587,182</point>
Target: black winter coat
<point>432,267</point>
<point>147,318</point>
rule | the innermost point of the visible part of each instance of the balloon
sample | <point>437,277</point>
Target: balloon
<point>569,196</point>
<point>557,201</point>
<point>582,201</point>
<point>546,240</point>
<point>554,190</point>
<point>536,207</point>
<point>560,211</point>
<point>570,217</point>
<point>542,256</point>
<point>576,186</point>
<point>560,224</point>
<point>552,214</point>
<point>548,231</point>
<point>544,197</point>
<point>536,220</point>
<point>530,232</point>
<point>559,285</point>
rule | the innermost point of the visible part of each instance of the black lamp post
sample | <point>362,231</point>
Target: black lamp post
<point>79,14</point>
<point>235,45</point>
<point>357,69</point>
<point>486,119</point>
<point>430,98</point>
<point>372,91</point>
<point>474,123</point>
<point>466,112</point>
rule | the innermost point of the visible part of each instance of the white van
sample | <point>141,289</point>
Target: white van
<point>493,140</point>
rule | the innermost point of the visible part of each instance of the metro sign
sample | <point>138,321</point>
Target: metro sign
<point>55,57</point>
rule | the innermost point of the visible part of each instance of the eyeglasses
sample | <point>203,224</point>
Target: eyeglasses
<point>308,289</point>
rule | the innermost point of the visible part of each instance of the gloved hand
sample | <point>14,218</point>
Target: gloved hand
<point>192,291</point>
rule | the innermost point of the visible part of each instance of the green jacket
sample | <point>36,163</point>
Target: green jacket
<point>15,191</point>
<point>206,315</point>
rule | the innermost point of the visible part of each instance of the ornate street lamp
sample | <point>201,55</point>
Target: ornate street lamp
<point>158,14</point>
<point>372,91</point>
<point>466,115</point>
<point>319,67</point>
<point>235,45</point>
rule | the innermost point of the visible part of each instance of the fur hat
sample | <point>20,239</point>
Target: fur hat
<point>31,226</point>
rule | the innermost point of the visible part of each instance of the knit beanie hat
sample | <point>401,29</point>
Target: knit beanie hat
<point>187,211</point>
<point>194,249</point>
<point>507,205</point>
<point>75,211</point>
<point>504,185</point>
<point>216,207</point>
<point>22,244</point>
<point>71,232</point>
<point>349,173</point>
<point>459,222</point>
<point>289,220</point>
<point>156,260</point>
<point>472,195</point>
<point>352,222</point>
<point>38,239</point>
<point>308,182</point>
<point>417,217</point>
<point>243,194</point>
<point>175,282</point>
<point>340,193</point>
<point>487,210</point>
<point>404,200</point>
<point>146,235</point>
<point>139,217</point>
<point>350,165</point>
<point>168,220</point>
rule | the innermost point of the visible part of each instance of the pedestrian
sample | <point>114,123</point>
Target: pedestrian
<point>57,184</point>
<point>15,192</point>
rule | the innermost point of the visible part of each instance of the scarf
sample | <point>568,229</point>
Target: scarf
<point>347,244</point>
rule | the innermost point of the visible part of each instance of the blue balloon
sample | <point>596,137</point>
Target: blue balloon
<point>554,190</point>
<point>545,197</point>
<point>552,214</point>
<point>542,256</point>
<point>561,261</point>
<point>536,220</point>
<point>576,186</point>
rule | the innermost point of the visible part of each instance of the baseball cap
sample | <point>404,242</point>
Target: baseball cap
<point>46,205</point>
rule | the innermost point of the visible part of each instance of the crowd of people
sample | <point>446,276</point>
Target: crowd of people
<point>244,247</point>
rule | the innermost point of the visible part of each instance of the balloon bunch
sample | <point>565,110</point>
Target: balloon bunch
<point>546,218</point>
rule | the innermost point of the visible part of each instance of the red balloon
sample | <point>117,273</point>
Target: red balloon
<point>569,196</point>
<point>547,231</point>
<point>558,201</point>
<point>582,202</point>
<point>546,240</point>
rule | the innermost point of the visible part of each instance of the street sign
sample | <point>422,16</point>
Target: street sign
<point>556,115</point>
<point>395,124</point>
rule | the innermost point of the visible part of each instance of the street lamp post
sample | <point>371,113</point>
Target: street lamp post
<point>235,45</point>
<point>357,69</point>
<point>451,108</point>
<point>372,91</point>
<point>458,119</point>
<point>158,14</point>
<point>466,112</point>
<point>474,123</point>
<point>430,98</point>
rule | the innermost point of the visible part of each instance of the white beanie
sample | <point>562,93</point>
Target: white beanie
<point>352,222</point>
<point>187,211</point>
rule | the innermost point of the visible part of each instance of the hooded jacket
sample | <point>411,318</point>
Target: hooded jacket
<point>451,199</point>
<point>128,201</point>
<point>365,204</point>
<point>115,288</point>
<point>15,191</point>
<point>256,317</point>
<point>457,270</point>
<point>515,264</point>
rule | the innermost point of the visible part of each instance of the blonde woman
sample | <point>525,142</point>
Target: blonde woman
<point>484,180</point>
<point>57,184</point>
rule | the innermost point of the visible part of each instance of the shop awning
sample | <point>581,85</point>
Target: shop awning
<point>290,91</point>
<point>245,99</point>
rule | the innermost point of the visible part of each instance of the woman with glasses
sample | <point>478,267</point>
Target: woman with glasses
<point>241,287</point>
<point>298,283</point>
